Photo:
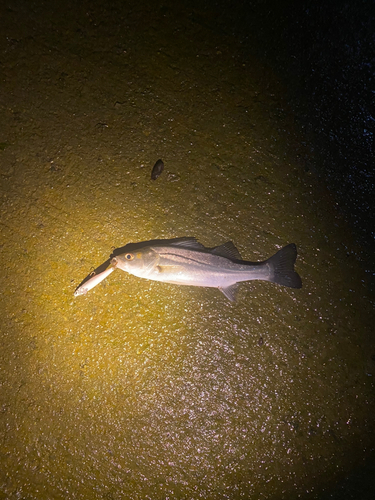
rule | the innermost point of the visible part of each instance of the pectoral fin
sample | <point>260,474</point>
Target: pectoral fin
<point>169,269</point>
<point>230,292</point>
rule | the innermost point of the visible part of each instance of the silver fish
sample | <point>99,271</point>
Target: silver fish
<point>93,281</point>
<point>185,261</point>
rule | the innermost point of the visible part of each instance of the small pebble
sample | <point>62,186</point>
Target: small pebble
<point>157,170</point>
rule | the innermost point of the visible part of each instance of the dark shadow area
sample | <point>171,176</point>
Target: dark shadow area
<point>357,485</point>
<point>324,54</point>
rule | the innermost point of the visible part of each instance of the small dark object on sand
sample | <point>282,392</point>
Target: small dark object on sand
<point>157,170</point>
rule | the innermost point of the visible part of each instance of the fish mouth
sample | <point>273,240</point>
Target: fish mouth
<point>114,262</point>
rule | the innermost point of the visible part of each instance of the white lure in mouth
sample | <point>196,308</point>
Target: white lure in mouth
<point>92,282</point>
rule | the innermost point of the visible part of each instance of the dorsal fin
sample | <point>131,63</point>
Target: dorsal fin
<point>187,242</point>
<point>227,250</point>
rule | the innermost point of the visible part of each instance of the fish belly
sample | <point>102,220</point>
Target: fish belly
<point>215,278</point>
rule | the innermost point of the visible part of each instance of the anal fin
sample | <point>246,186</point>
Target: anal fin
<point>230,292</point>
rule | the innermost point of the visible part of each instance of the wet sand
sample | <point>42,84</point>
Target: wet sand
<point>140,389</point>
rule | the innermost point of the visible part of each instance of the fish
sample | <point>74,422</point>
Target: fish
<point>185,261</point>
<point>93,281</point>
<point>157,170</point>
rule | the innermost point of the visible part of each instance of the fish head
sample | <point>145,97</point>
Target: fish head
<point>139,262</point>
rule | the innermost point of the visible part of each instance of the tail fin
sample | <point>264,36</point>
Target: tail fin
<point>282,265</point>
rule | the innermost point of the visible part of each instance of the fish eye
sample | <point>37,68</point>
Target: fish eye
<point>129,256</point>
